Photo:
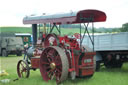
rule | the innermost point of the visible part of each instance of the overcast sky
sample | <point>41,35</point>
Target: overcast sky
<point>13,11</point>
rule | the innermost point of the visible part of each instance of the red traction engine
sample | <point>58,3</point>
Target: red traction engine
<point>60,57</point>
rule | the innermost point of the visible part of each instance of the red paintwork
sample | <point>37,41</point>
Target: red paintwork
<point>87,68</point>
<point>35,62</point>
<point>96,15</point>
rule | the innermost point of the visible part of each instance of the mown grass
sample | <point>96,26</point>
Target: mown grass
<point>104,77</point>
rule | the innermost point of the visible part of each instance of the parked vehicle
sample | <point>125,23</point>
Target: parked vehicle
<point>11,45</point>
<point>26,37</point>
<point>111,49</point>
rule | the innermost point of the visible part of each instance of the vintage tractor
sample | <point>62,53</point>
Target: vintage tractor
<point>59,57</point>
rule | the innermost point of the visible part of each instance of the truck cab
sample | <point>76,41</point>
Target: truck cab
<point>11,45</point>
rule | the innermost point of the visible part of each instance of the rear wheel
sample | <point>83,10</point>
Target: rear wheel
<point>112,62</point>
<point>4,53</point>
<point>54,64</point>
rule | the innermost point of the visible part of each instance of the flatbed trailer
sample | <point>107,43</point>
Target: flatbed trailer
<point>111,49</point>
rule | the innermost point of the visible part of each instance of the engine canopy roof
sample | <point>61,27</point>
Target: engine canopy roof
<point>83,16</point>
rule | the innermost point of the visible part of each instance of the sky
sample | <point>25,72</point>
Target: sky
<point>12,12</point>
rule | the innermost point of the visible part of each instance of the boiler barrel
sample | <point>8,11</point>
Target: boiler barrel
<point>30,52</point>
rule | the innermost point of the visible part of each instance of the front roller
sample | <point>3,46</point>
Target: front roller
<point>54,64</point>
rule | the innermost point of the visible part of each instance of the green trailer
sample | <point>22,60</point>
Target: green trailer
<point>26,37</point>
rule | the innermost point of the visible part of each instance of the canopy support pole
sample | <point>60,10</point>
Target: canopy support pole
<point>55,26</point>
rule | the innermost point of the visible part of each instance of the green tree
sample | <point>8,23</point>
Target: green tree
<point>124,28</point>
<point>116,30</point>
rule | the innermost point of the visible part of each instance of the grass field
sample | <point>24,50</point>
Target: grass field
<point>104,77</point>
<point>16,29</point>
<point>64,31</point>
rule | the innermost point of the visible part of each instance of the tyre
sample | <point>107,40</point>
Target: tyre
<point>4,53</point>
<point>19,53</point>
<point>113,64</point>
<point>97,65</point>
<point>110,61</point>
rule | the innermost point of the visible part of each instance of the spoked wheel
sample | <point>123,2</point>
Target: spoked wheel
<point>51,40</point>
<point>54,64</point>
<point>23,69</point>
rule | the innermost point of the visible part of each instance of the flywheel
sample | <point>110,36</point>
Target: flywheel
<point>51,40</point>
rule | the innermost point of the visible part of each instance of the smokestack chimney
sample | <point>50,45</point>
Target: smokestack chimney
<point>34,33</point>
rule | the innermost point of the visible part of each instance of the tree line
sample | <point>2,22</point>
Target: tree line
<point>124,28</point>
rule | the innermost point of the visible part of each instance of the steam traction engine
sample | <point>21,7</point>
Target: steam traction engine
<point>59,57</point>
